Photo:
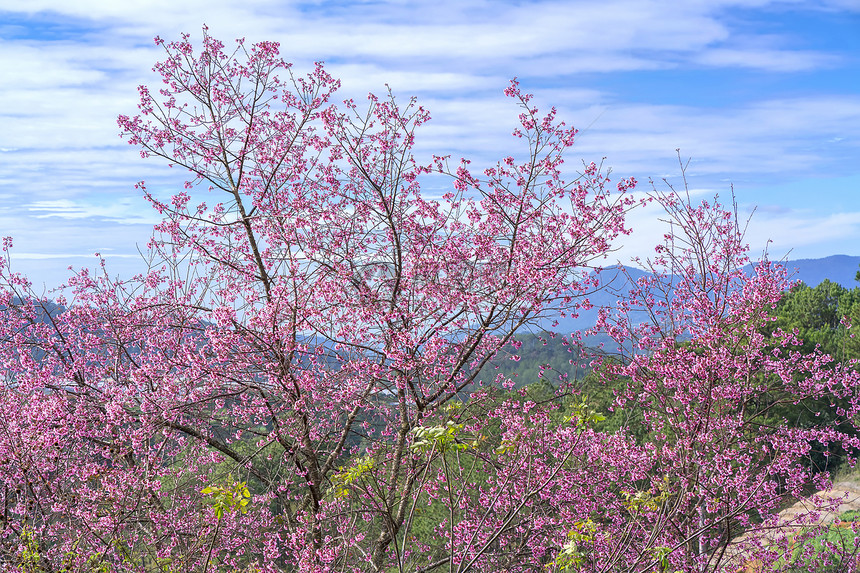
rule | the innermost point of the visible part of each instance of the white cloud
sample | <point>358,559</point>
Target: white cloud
<point>62,163</point>
<point>471,35</point>
<point>62,256</point>
<point>783,137</point>
<point>782,232</point>
<point>795,233</point>
<point>767,59</point>
<point>124,211</point>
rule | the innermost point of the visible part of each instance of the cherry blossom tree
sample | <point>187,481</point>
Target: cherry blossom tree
<point>318,310</point>
<point>299,382</point>
<point>698,361</point>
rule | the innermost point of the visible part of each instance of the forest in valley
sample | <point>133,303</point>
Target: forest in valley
<point>824,317</point>
<point>324,370</point>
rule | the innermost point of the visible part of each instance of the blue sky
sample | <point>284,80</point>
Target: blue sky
<point>763,96</point>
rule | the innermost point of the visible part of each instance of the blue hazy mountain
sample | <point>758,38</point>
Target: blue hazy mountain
<point>840,269</point>
<point>615,283</point>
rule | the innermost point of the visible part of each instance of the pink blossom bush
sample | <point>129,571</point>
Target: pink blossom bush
<point>705,377</point>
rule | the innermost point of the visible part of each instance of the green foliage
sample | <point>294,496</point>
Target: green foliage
<point>850,516</point>
<point>582,416</point>
<point>660,555</point>
<point>543,356</point>
<point>440,438</point>
<point>573,555</point>
<point>28,559</point>
<point>835,549</point>
<point>348,476</point>
<point>826,317</point>
<point>234,496</point>
<point>637,501</point>
<point>601,397</point>
<point>817,314</point>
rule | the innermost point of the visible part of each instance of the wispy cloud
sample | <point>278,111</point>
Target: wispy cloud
<point>757,92</point>
<point>63,256</point>
<point>767,59</point>
<point>123,211</point>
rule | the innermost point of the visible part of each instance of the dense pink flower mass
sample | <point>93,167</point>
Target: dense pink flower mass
<point>297,383</point>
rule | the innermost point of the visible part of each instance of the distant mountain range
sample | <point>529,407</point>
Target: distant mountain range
<point>839,269</point>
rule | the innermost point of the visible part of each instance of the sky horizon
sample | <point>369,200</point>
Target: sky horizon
<point>763,98</point>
